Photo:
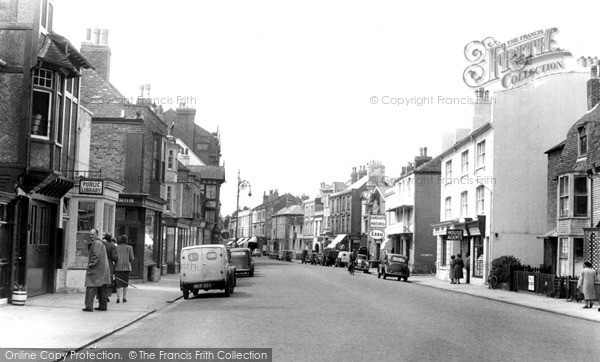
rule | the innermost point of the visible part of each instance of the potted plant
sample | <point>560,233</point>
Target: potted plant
<point>19,294</point>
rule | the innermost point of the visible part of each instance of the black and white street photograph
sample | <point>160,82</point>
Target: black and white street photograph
<point>263,180</point>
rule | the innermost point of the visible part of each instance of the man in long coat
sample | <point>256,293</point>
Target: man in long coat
<point>97,273</point>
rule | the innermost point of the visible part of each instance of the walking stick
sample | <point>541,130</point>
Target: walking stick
<point>121,280</point>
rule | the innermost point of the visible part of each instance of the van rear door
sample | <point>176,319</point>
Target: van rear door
<point>191,265</point>
<point>212,268</point>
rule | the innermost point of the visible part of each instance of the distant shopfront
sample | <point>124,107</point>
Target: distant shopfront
<point>139,217</point>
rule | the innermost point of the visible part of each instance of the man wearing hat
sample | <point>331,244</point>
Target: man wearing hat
<point>97,273</point>
<point>111,254</point>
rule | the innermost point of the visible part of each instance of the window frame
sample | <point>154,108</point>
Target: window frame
<point>448,208</point>
<point>579,195</point>
<point>464,162</point>
<point>480,150</point>
<point>582,141</point>
<point>480,200</point>
<point>449,170</point>
<point>563,196</point>
<point>464,203</point>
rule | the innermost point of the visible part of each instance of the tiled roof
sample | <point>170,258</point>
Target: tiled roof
<point>59,51</point>
<point>569,157</point>
<point>291,210</point>
<point>433,165</point>
<point>210,172</point>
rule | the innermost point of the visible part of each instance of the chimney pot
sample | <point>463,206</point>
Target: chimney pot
<point>425,151</point>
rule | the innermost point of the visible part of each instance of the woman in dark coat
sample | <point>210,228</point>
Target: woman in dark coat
<point>123,268</point>
<point>451,270</point>
<point>459,264</point>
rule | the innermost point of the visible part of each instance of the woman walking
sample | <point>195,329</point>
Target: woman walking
<point>586,282</point>
<point>459,264</point>
<point>123,268</point>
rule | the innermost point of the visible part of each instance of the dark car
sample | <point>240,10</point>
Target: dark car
<point>241,258</point>
<point>362,263</point>
<point>394,265</point>
<point>287,255</point>
<point>329,257</point>
<point>274,255</point>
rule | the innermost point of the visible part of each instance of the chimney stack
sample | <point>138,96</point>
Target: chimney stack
<point>353,175</point>
<point>362,172</point>
<point>422,158</point>
<point>95,49</point>
<point>482,108</point>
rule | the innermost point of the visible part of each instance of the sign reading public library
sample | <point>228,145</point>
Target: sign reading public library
<point>91,187</point>
<point>454,234</point>
<point>514,62</point>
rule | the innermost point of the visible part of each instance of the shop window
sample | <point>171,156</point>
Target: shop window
<point>86,216</point>
<point>108,223</point>
<point>149,239</point>
<point>478,252</point>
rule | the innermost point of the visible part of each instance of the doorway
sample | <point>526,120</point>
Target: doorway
<point>42,228</point>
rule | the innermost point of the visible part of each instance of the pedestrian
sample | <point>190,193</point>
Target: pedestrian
<point>123,268</point>
<point>451,270</point>
<point>351,262</point>
<point>585,284</point>
<point>111,254</point>
<point>97,274</point>
<point>468,267</point>
<point>459,264</point>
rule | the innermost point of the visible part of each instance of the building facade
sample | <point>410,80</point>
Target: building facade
<point>39,107</point>
<point>493,183</point>
<point>412,205</point>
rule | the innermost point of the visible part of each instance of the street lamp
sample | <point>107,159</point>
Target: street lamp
<point>241,185</point>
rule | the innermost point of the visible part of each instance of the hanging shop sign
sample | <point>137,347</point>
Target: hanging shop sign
<point>454,234</point>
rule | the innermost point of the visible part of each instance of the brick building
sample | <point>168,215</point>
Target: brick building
<point>39,108</point>
<point>573,212</point>
<point>128,146</point>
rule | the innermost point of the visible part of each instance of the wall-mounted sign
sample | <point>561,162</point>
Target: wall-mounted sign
<point>531,282</point>
<point>91,187</point>
<point>514,62</point>
<point>377,221</point>
<point>454,234</point>
<point>377,234</point>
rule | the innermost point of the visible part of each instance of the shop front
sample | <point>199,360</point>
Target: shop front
<point>90,204</point>
<point>138,216</point>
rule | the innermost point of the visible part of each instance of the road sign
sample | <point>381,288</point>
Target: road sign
<point>377,234</point>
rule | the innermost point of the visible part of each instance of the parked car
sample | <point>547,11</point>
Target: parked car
<point>343,258</point>
<point>205,267</point>
<point>274,255</point>
<point>362,263</point>
<point>329,257</point>
<point>287,255</point>
<point>241,259</point>
<point>395,265</point>
<point>256,252</point>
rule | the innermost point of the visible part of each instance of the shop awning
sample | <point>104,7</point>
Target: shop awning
<point>231,242</point>
<point>550,234</point>
<point>241,241</point>
<point>384,244</point>
<point>336,241</point>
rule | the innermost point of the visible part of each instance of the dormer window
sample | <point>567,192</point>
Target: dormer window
<point>582,133</point>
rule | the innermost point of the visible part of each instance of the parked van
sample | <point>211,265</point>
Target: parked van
<point>205,267</point>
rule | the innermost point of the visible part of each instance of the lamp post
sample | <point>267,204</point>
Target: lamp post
<point>241,185</point>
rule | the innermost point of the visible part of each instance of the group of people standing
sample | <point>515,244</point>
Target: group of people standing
<point>109,265</point>
<point>456,268</point>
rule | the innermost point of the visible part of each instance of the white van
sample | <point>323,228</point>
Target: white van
<point>205,267</point>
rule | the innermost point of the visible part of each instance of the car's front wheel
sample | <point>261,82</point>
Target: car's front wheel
<point>186,294</point>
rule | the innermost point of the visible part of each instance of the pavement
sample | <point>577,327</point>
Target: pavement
<point>56,321</point>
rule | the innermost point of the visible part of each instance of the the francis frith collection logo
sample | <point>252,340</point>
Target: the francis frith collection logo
<point>514,62</point>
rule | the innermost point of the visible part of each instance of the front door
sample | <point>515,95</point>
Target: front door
<point>42,229</point>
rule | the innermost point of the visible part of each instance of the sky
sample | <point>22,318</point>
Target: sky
<point>290,85</point>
